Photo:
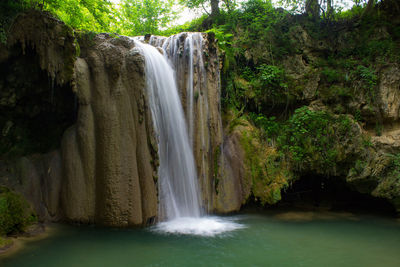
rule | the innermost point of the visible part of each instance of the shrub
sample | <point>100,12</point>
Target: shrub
<point>313,138</point>
<point>15,212</point>
<point>330,75</point>
<point>269,125</point>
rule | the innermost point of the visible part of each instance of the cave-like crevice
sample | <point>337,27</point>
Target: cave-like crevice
<point>333,194</point>
<point>34,110</point>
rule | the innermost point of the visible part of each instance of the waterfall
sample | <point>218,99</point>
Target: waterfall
<point>187,63</point>
<point>185,53</point>
<point>178,189</point>
<point>179,194</point>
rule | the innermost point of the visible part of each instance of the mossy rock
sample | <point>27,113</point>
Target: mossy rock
<point>268,172</point>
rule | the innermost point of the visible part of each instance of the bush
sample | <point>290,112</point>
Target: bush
<point>395,165</point>
<point>369,81</point>
<point>314,138</point>
<point>15,212</point>
<point>269,125</point>
<point>331,75</point>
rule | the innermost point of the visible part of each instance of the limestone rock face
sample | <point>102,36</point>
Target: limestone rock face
<point>52,40</point>
<point>389,92</point>
<point>376,174</point>
<point>109,154</point>
<point>38,178</point>
<point>233,187</point>
<point>106,168</point>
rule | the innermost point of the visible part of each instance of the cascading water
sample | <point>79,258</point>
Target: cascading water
<point>178,184</point>
<point>178,189</point>
<point>185,53</point>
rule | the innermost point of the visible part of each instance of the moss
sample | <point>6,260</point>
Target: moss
<point>265,167</point>
<point>78,48</point>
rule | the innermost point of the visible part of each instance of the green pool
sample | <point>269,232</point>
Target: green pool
<point>281,239</point>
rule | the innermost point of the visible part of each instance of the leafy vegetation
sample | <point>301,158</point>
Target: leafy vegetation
<point>143,17</point>
<point>395,165</point>
<point>129,17</point>
<point>309,138</point>
<point>313,137</point>
<point>15,212</point>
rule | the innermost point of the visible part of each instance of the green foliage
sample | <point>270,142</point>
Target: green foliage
<point>15,212</point>
<point>358,168</point>
<point>271,76</point>
<point>378,129</point>
<point>90,15</point>
<point>141,17</point>
<point>367,75</point>
<point>269,86</point>
<point>395,165</point>
<point>358,116</point>
<point>367,142</point>
<point>258,25</point>
<point>369,80</point>
<point>270,127</point>
<point>330,75</point>
<point>194,25</point>
<point>314,138</point>
<point>224,41</point>
<point>130,17</point>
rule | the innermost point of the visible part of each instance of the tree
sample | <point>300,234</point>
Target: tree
<point>202,3</point>
<point>313,8</point>
<point>139,17</point>
<point>215,10</point>
<point>94,15</point>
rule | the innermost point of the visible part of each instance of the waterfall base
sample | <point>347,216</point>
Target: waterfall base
<point>204,226</point>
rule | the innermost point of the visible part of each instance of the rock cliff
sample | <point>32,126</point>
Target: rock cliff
<point>105,169</point>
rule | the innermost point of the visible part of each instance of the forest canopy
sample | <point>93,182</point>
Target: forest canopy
<point>139,17</point>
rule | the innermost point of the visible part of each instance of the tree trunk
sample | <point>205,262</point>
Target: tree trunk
<point>369,8</point>
<point>329,9</point>
<point>214,8</point>
<point>312,8</point>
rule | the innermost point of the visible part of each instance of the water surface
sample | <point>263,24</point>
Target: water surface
<point>289,239</point>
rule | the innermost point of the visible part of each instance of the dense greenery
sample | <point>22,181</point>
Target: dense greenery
<point>15,212</point>
<point>309,138</point>
<point>129,17</point>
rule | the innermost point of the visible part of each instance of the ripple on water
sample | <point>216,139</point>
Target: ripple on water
<point>203,226</point>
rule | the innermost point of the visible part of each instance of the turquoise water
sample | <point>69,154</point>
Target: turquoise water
<point>292,239</point>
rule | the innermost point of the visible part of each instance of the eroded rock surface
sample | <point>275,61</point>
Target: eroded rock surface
<point>105,171</point>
